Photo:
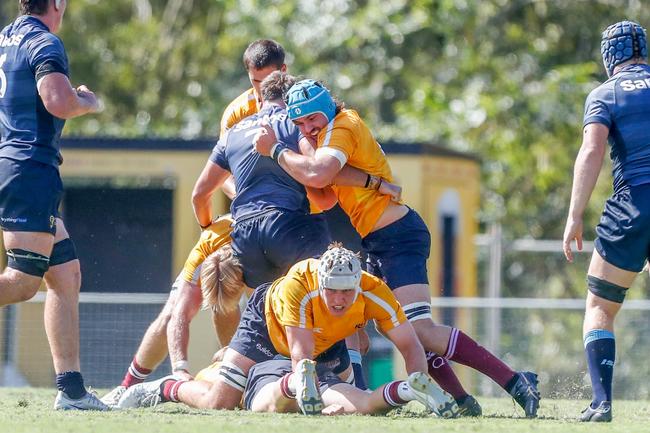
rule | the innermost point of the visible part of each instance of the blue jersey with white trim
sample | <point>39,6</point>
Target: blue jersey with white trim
<point>261,183</point>
<point>622,104</point>
<point>28,131</point>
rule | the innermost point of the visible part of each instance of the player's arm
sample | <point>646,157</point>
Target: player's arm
<point>187,305</point>
<point>404,338</point>
<point>585,174</point>
<point>62,100</point>
<point>301,343</point>
<point>212,177</point>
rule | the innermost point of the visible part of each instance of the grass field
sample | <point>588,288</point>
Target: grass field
<point>29,410</point>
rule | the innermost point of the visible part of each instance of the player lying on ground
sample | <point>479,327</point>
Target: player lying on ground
<point>395,238</point>
<point>304,315</point>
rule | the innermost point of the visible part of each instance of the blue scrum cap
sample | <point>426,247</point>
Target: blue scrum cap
<point>308,97</point>
<point>621,42</point>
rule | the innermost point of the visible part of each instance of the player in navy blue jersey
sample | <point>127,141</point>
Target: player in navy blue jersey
<point>35,99</point>
<point>616,111</point>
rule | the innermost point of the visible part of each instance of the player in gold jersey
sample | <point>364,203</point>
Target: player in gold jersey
<point>211,256</point>
<point>394,236</point>
<point>305,316</point>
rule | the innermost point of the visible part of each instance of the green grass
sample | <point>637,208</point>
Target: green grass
<point>29,410</point>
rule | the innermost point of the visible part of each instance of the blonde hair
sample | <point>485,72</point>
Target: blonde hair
<point>222,280</point>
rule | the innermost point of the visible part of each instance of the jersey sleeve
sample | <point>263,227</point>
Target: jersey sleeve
<point>288,134</point>
<point>381,304</point>
<point>597,105</point>
<point>294,307</point>
<point>212,238</point>
<point>46,54</point>
<point>218,155</point>
<point>341,138</point>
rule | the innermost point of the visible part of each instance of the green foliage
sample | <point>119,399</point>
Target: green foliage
<point>503,79</point>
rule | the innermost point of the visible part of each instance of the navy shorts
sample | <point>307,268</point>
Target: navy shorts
<point>267,372</point>
<point>252,337</point>
<point>268,244</point>
<point>624,229</point>
<point>398,253</point>
<point>30,194</point>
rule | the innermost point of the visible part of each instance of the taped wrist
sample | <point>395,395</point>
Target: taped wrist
<point>277,150</point>
<point>28,262</point>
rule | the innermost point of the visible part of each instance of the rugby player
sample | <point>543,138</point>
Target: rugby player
<point>615,112</point>
<point>36,98</point>
<point>304,316</point>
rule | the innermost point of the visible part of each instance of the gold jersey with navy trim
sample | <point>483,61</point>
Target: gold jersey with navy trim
<point>211,239</point>
<point>240,108</point>
<point>294,300</point>
<point>349,139</point>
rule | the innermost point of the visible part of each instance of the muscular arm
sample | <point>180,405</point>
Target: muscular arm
<point>178,328</point>
<point>404,338</point>
<point>585,174</point>
<point>64,101</point>
<point>301,344</point>
<point>211,178</point>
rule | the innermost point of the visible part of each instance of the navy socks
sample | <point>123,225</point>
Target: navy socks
<point>600,350</point>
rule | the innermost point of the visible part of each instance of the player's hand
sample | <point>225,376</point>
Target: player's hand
<point>218,355</point>
<point>572,230</point>
<point>264,139</point>
<point>333,409</point>
<point>89,98</point>
<point>390,189</point>
<point>182,375</point>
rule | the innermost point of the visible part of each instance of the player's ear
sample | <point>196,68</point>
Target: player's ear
<point>57,4</point>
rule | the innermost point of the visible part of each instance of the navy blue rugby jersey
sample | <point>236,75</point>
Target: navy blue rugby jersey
<point>260,182</point>
<point>622,103</point>
<point>28,52</point>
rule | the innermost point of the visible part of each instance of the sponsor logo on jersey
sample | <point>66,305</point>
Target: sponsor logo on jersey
<point>10,40</point>
<point>17,220</point>
<point>632,85</point>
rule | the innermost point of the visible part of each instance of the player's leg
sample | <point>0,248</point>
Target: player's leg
<point>607,287</point>
<point>30,193</point>
<point>398,253</point>
<point>269,389</point>
<point>151,352</point>
<point>620,251</point>
<point>61,318</point>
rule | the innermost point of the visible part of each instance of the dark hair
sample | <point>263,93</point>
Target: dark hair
<point>276,85</point>
<point>34,7</point>
<point>263,53</point>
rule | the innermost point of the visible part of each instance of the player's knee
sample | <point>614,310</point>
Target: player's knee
<point>606,290</point>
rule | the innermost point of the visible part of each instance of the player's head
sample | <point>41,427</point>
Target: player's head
<point>276,85</point>
<point>222,280</point>
<point>339,278</point>
<point>622,42</point>
<point>262,57</point>
<point>311,106</point>
<point>52,8</point>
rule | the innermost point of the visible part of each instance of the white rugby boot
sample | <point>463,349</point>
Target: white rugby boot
<point>307,388</point>
<point>432,396</point>
<point>87,402</point>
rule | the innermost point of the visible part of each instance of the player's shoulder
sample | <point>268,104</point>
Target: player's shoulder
<point>370,282</point>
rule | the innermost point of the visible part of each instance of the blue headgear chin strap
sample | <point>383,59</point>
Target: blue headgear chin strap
<point>621,42</point>
<point>308,97</point>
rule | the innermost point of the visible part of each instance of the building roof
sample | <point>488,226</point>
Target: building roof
<point>206,144</point>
